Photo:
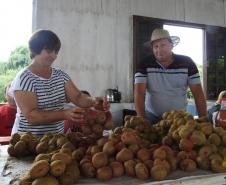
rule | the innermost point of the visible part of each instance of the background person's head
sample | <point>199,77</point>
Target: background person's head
<point>43,39</point>
<point>220,96</point>
<point>162,44</point>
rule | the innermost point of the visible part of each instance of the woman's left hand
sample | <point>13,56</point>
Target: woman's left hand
<point>101,103</point>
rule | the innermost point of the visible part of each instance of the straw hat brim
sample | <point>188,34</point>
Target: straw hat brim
<point>175,40</point>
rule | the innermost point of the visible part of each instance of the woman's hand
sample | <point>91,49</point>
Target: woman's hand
<point>76,115</point>
<point>101,103</point>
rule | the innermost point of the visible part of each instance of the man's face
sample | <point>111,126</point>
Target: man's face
<point>162,49</point>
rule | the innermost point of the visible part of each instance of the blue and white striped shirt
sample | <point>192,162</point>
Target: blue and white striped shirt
<point>50,95</point>
<point>166,87</point>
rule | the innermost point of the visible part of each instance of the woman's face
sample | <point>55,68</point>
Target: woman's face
<point>48,56</point>
<point>162,49</point>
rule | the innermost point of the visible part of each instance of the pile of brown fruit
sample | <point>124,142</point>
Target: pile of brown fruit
<point>136,149</point>
<point>196,140</point>
<point>96,122</point>
<point>52,169</point>
<point>22,145</point>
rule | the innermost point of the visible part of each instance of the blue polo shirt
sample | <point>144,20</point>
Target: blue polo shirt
<point>166,87</point>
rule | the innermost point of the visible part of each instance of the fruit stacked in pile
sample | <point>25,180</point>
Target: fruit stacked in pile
<point>52,169</point>
<point>137,149</point>
<point>96,122</point>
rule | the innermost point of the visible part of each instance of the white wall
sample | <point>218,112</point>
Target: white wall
<point>97,38</point>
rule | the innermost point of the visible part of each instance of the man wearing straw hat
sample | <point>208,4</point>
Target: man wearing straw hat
<point>164,78</point>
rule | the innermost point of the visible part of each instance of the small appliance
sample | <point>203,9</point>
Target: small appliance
<point>113,95</point>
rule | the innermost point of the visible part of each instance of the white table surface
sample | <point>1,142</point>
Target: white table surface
<point>12,168</point>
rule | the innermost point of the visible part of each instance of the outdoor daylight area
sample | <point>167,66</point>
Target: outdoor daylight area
<point>191,42</point>
<point>16,28</point>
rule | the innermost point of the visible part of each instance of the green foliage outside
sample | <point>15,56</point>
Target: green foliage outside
<point>18,59</point>
<point>216,77</point>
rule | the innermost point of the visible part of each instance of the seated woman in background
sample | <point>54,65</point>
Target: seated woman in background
<point>41,91</point>
<point>217,105</point>
<point>7,114</point>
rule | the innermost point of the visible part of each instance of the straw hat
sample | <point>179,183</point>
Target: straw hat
<point>162,34</point>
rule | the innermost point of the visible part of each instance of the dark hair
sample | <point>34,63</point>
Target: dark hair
<point>220,96</point>
<point>43,39</point>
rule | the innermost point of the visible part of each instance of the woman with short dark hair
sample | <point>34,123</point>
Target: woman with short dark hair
<point>41,90</point>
